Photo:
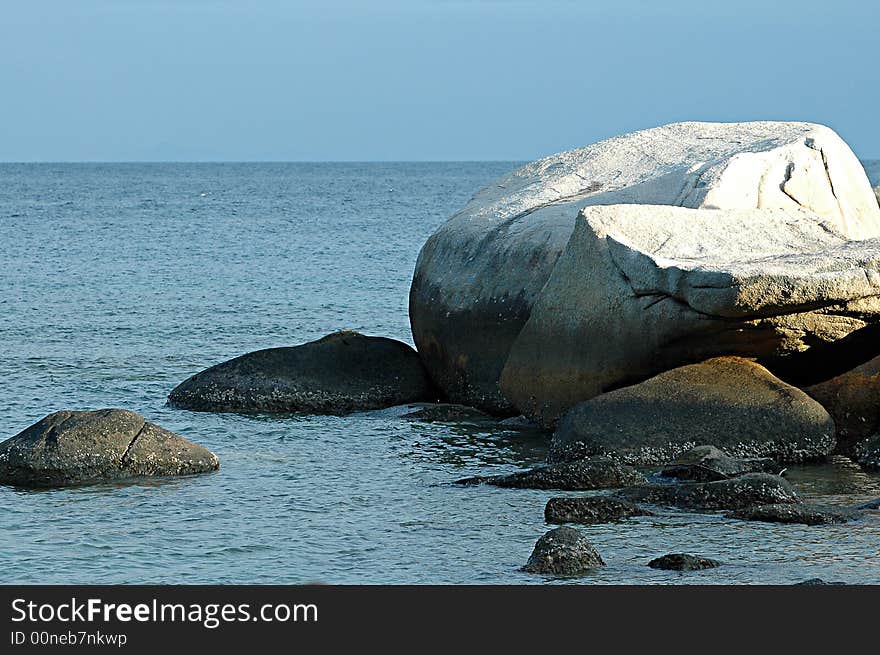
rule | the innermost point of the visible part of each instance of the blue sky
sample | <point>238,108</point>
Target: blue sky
<point>186,80</point>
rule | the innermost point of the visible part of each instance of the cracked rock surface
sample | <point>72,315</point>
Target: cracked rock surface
<point>478,278</point>
<point>728,402</point>
<point>642,289</point>
<point>75,447</point>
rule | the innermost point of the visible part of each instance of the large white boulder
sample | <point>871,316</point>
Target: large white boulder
<point>478,276</point>
<point>641,289</point>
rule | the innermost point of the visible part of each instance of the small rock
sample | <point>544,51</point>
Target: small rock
<point>590,509</point>
<point>736,493</point>
<point>581,475</point>
<point>446,413</point>
<point>71,448</point>
<point>796,513</point>
<point>563,551</point>
<point>683,562</point>
<point>709,464</point>
<point>341,373</point>
<point>867,453</point>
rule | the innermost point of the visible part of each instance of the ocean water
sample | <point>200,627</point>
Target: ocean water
<point>119,281</point>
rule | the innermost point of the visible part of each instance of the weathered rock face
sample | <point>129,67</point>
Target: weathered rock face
<point>72,448</point>
<point>797,513</point>
<point>563,551</point>
<point>708,464</point>
<point>341,373</point>
<point>580,475</point>
<point>590,509</point>
<point>479,275</point>
<point>642,289</point>
<point>728,402</point>
<point>683,562</point>
<point>853,400</point>
<point>737,493</point>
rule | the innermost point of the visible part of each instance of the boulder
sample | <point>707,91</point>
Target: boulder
<point>590,509</point>
<point>479,275</point>
<point>580,475</point>
<point>797,513</point>
<point>340,373</point>
<point>867,453</point>
<point>708,463</point>
<point>643,289</point>
<point>683,562</point>
<point>737,493</point>
<point>728,402</point>
<point>73,448</point>
<point>853,400</point>
<point>563,551</point>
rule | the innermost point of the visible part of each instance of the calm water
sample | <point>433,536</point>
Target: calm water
<point>122,280</point>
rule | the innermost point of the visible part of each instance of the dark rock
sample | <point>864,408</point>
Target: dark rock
<point>582,475</point>
<point>736,493</point>
<point>870,505</point>
<point>867,453</point>
<point>853,400</point>
<point>341,373</point>
<point>728,402</point>
<point>683,562</point>
<point>71,448</point>
<point>815,582</point>
<point>796,513</point>
<point>447,413</point>
<point>708,464</point>
<point>563,551</point>
<point>590,509</point>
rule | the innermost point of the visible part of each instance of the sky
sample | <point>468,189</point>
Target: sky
<point>403,80</point>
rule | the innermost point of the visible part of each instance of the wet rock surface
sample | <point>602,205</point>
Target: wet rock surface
<point>580,475</point>
<point>446,413</point>
<point>591,509</point>
<point>802,513</point>
<point>341,373</point>
<point>728,402</point>
<point>683,562</point>
<point>709,464</point>
<point>563,551</point>
<point>75,447</point>
<point>867,453</point>
<point>736,493</point>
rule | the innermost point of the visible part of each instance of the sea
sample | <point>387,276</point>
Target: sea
<point>121,280</point>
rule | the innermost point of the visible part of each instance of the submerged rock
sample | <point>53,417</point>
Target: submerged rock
<point>72,448</point>
<point>340,373</point>
<point>591,509</point>
<point>797,513</point>
<point>683,562</point>
<point>728,402</point>
<point>446,413</point>
<point>708,464</point>
<point>484,274</point>
<point>563,551</point>
<point>580,475</point>
<point>737,493</point>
